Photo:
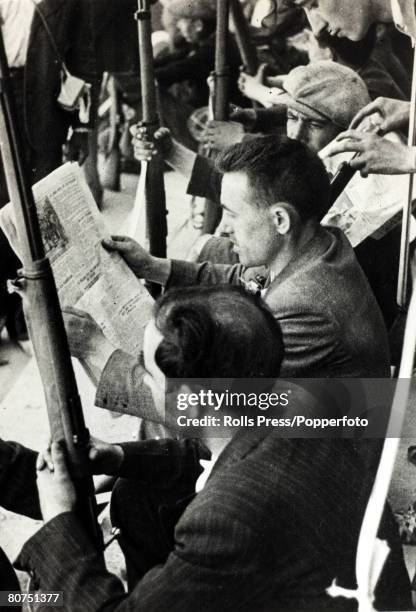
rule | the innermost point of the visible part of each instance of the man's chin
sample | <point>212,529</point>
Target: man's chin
<point>356,36</point>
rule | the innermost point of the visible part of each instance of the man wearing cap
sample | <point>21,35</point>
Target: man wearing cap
<point>320,101</point>
<point>376,154</point>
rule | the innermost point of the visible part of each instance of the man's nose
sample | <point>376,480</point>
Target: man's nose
<point>226,227</point>
<point>317,23</point>
<point>299,131</point>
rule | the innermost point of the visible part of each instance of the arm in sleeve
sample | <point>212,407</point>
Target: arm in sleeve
<point>216,562</point>
<point>188,68</point>
<point>163,463</point>
<point>121,388</point>
<point>18,491</point>
<point>187,274</point>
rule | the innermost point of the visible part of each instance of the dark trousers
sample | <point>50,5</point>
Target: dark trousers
<point>146,517</point>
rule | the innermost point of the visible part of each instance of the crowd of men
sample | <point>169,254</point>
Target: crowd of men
<point>270,522</point>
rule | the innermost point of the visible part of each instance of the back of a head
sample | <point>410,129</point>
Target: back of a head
<point>280,169</point>
<point>217,332</point>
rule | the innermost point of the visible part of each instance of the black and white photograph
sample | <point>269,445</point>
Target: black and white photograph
<point>208,305</point>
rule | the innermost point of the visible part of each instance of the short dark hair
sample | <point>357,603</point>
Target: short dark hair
<point>217,332</point>
<point>281,169</point>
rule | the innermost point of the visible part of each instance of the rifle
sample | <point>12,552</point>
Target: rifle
<point>45,322</point>
<point>112,168</point>
<point>220,98</point>
<point>340,180</point>
<point>154,184</point>
<point>221,72</point>
<point>242,35</point>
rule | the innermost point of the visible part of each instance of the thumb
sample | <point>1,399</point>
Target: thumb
<point>385,127</point>
<point>261,72</point>
<point>161,133</point>
<point>115,244</point>
<point>94,453</point>
<point>77,312</point>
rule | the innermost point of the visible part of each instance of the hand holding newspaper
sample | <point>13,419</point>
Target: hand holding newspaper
<point>369,206</point>
<point>86,275</point>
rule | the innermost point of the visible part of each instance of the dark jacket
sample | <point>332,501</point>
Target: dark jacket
<point>330,321</point>
<point>276,523</point>
<point>91,36</point>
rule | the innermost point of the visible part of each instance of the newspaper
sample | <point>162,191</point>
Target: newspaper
<point>369,206</point>
<point>86,275</point>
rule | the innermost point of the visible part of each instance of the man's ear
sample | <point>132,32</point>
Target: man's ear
<point>282,216</point>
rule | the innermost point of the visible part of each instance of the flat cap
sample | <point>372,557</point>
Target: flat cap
<point>325,90</point>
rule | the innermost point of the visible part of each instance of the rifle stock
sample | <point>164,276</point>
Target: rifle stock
<point>154,190</point>
<point>45,322</point>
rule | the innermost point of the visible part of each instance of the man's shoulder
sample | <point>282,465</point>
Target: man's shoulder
<point>328,268</point>
<point>275,476</point>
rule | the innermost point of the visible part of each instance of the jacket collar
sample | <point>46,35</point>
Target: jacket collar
<point>242,443</point>
<point>404,17</point>
<point>321,242</point>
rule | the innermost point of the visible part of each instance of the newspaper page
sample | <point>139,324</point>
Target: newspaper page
<point>87,276</point>
<point>368,206</point>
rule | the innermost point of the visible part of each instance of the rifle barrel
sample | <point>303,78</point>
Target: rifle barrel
<point>221,62</point>
<point>242,35</point>
<point>154,189</point>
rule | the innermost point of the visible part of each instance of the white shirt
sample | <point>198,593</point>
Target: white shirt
<point>404,17</point>
<point>217,446</point>
<point>16,17</point>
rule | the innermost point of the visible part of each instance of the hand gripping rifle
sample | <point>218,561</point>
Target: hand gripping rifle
<point>154,184</point>
<point>45,321</point>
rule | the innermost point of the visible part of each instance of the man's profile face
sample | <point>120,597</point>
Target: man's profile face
<point>340,18</point>
<point>251,226</point>
<point>315,134</point>
<point>190,29</point>
<point>154,378</point>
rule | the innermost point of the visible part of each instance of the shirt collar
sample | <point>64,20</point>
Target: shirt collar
<point>403,12</point>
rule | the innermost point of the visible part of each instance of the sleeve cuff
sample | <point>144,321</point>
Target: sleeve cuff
<point>119,361</point>
<point>67,535</point>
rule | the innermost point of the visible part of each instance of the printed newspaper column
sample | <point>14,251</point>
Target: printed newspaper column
<point>87,276</point>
